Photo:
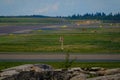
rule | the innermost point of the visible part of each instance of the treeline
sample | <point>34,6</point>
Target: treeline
<point>96,16</point>
<point>26,16</point>
<point>91,16</point>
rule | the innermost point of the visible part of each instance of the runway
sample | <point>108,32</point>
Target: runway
<point>59,57</point>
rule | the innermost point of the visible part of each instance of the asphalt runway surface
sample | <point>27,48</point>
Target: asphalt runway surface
<point>28,28</point>
<point>23,29</point>
<point>58,57</point>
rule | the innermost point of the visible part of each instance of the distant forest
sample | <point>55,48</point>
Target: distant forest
<point>96,16</point>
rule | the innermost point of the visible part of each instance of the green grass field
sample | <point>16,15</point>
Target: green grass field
<point>92,40</point>
<point>29,21</point>
<point>76,39</point>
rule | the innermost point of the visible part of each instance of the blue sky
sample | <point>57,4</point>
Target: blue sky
<point>57,7</point>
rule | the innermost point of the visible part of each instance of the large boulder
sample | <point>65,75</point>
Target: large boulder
<point>107,77</point>
<point>80,76</point>
<point>108,71</point>
<point>24,68</point>
<point>46,72</point>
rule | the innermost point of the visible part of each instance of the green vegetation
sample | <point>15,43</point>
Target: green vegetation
<point>29,21</point>
<point>88,40</point>
<point>4,65</point>
<point>77,38</point>
<point>67,62</point>
<point>98,16</point>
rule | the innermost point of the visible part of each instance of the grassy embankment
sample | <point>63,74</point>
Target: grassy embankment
<point>4,65</point>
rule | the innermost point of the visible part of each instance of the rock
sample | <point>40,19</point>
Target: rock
<point>108,77</point>
<point>81,76</point>
<point>76,69</point>
<point>41,67</point>
<point>112,71</point>
<point>92,73</point>
<point>58,70</point>
<point>44,66</point>
<point>96,69</point>
<point>46,72</point>
<point>9,73</point>
<point>109,71</point>
<point>31,75</point>
<point>23,68</point>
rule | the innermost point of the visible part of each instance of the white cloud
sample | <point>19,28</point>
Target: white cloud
<point>53,7</point>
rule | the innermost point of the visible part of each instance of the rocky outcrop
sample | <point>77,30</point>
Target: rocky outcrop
<point>46,72</point>
<point>15,72</point>
<point>107,77</point>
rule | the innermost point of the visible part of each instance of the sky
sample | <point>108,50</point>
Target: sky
<point>57,7</point>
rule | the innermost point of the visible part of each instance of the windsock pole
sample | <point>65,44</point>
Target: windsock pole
<point>62,41</point>
<point>62,45</point>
